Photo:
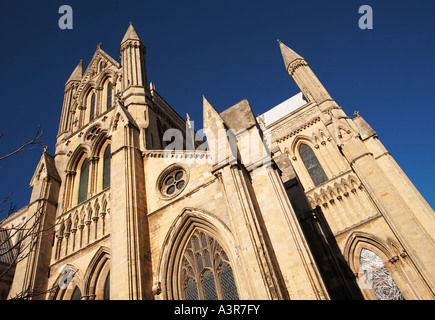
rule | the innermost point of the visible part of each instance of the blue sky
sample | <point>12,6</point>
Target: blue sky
<point>226,50</point>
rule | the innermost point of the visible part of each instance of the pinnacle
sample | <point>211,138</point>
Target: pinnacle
<point>211,116</point>
<point>77,74</point>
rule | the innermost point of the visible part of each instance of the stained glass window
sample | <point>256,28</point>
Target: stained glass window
<point>206,270</point>
<point>92,108</point>
<point>378,276</point>
<point>312,164</point>
<point>191,290</point>
<point>83,183</point>
<point>228,284</point>
<point>106,168</point>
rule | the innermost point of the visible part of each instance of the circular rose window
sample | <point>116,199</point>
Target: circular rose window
<point>172,181</point>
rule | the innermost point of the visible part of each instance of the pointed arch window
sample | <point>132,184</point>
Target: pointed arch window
<point>83,182</point>
<point>106,168</point>
<point>312,165</point>
<point>378,276</point>
<point>77,294</point>
<point>206,270</point>
<point>109,95</point>
<point>92,108</point>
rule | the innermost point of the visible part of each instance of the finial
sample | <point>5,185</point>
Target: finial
<point>261,120</point>
<point>356,113</point>
<point>188,121</point>
<point>131,23</point>
<point>99,45</point>
<point>45,149</point>
<point>279,41</point>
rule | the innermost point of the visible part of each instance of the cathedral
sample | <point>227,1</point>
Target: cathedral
<point>302,202</point>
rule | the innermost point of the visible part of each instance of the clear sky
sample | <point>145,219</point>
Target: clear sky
<point>226,50</point>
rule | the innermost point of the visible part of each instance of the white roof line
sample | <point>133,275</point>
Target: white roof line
<point>283,109</point>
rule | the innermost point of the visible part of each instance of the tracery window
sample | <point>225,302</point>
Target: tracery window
<point>206,270</point>
<point>83,182</point>
<point>93,134</point>
<point>378,276</point>
<point>172,181</point>
<point>312,164</point>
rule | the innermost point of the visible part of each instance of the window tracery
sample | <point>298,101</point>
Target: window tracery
<point>378,276</point>
<point>172,181</point>
<point>93,133</point>
<point>206,270</point>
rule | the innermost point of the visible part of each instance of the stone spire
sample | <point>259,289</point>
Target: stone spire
<point>131,34</point>
<point>312,89</point>
<point>288,55</point>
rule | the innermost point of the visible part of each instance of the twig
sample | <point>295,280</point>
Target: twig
<point>32,144</point>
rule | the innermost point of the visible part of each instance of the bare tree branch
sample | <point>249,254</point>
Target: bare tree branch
<point>32,144</point>
<point>27,233</point>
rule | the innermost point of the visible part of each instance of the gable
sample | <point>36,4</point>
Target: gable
<point>97,69</point>
<point>45,168</point>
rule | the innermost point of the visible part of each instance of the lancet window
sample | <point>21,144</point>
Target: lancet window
<point>106,168</point>
<point>89,174</point>
<point>83,182</point>
<point>109,96</point>
<point>312,165</point>
<point>92,108</point>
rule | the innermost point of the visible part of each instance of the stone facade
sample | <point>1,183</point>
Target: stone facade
<point>291,204</point>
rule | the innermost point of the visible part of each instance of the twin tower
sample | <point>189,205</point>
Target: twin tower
<point>320,209</point>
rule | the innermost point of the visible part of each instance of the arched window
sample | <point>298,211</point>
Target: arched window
<point>206,270</point>
<point>92,108</point>
<point>77,294</point>
<point>378,276</point>
<point>109,95</point>
<point>106,294</point>
<point>312,164</point>
<point>83,182</point>
<point>106,168</point>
